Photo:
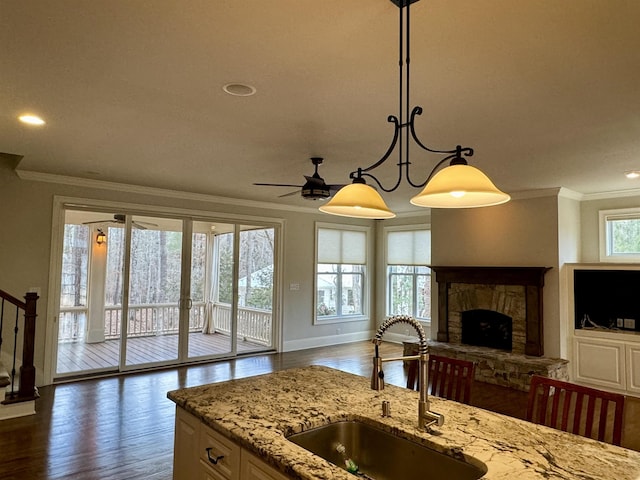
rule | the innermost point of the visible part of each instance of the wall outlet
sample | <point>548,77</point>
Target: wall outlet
<point>294,286</point>
<point>338,331</point>
<point>630,323</point>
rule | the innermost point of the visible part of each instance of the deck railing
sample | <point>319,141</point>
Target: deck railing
<point>163,319</point>
<point>20,318</point>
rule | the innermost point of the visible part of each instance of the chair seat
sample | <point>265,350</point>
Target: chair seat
<point>449,378</point>
<point>577,409</point>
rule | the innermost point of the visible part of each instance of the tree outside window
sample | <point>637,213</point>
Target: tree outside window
<point>408,275</point>
<point>340,272</point>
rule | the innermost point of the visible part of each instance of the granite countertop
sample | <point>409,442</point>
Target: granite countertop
<point>259,412</point>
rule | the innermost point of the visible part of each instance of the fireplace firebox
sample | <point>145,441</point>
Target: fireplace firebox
<point>514,291</point>
<point>486,328</point>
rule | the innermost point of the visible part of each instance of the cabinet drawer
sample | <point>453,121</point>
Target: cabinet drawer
<point>222,450</point>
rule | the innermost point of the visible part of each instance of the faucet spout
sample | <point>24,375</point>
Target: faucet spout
<point>426,418</point>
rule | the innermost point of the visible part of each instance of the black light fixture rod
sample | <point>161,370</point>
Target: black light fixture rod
<point>406,120</point>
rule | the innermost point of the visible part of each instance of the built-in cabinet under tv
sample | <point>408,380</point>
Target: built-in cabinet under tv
<point>604,329</point>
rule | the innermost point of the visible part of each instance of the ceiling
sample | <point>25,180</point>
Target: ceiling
<point>547,92</point>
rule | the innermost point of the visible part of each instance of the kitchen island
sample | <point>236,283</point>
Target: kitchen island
<point>258,413</point>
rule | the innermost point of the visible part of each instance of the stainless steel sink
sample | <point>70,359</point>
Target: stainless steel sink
<point>382,456</point>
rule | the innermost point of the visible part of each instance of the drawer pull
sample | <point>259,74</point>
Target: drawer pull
<point>213,460</point>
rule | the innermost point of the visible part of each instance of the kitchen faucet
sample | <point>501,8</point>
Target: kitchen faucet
<point>426,418</point>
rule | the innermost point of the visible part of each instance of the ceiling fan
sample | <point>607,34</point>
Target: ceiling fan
<point>121,219</point>
<point>314,188</point>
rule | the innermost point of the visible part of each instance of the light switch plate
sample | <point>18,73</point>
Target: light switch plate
<point>630,323</point>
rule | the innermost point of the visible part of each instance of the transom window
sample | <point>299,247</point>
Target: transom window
<point>408,254</point>
<point>341,257</point>
<point>620,235</point>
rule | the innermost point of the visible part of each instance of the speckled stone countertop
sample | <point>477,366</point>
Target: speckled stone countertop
<point>259,412</point>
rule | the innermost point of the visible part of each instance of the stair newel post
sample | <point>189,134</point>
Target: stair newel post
<point>27,370</point>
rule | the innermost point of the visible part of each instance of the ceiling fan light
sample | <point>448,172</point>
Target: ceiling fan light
<point>460,186</point>
<point>358,200</point>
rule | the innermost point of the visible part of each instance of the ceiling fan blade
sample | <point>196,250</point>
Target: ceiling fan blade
<point>97,221</point>
<point>277,185</point>
<point>290,194</point>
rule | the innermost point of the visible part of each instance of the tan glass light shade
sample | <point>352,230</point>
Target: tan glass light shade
<point>460,186</point>
<point>358,200</point>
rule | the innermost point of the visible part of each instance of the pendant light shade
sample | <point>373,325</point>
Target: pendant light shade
<point>358,200</point>
<point>460,186</point>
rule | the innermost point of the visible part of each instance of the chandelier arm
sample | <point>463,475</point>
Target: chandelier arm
<point>396,133</point>
<point>372,177</point>
<point>467,151</point>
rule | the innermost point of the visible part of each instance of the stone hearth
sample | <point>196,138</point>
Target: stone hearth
<point>499,367</point>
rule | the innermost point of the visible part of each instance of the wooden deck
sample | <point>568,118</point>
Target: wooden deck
<point>83,357</point>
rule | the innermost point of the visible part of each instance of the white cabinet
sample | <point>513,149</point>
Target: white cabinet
<point>633,368</point>
<point>204,454</point>
<point>607,360</point>
<point>186,457</point>
<point>255,469</point>
<point>600,362</point>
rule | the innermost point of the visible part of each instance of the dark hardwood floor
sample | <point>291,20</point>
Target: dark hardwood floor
<point>122,427</point>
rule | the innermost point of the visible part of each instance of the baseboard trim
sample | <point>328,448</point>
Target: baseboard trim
<point>327,341</point>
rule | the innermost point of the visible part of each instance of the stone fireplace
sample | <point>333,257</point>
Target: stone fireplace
<point>493,317</point>
<point>512,291</point>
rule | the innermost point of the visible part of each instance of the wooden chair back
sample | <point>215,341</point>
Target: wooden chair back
<point>576,409</point>
<point>449,378</point>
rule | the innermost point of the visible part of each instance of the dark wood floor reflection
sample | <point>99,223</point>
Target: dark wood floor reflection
<point>122,427</point>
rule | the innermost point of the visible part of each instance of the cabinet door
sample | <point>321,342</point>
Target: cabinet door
<point>633,368</point>
<point>255,469</point>
<point>600,363</point>
<point>185,450</point>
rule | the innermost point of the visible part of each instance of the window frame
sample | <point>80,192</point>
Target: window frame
<point>605,241</point>
<point>342,318</point>
<point>388,275</point>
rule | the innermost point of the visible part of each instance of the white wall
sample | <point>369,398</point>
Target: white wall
<point>589,222</point>
<point>569,250</point>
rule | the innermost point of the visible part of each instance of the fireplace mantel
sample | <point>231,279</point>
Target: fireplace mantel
<point>532,278</point>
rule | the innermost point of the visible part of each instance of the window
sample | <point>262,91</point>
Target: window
<point>408,276</point>
<point>341,257</point>
<point>620,235</point>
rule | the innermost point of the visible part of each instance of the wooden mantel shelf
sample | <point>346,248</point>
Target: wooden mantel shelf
<point>491,275</point>
<point>532,278</point>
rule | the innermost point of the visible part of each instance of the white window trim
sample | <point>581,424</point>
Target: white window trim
<point>604,240</point>
<point>366,294</point>
<point>402,228</point>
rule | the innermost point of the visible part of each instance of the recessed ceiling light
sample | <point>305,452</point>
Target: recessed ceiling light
<point>239,89</point>
<point>632,174</point>
<point>31,119</point>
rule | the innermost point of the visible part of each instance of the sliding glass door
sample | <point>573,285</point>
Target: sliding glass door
<point>153,297</point>
<point>144,290</point>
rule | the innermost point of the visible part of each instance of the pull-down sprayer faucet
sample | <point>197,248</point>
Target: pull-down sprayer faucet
<point>426,418</point>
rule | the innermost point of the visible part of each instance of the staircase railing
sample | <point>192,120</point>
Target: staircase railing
<point>27,384</point>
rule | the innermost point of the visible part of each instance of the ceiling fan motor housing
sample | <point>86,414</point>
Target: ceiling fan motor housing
<point>315,190</point>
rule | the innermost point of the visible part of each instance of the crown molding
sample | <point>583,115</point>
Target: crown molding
<point>158,192</point>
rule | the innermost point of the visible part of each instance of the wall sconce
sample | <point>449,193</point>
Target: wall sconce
<point>101,237</point>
